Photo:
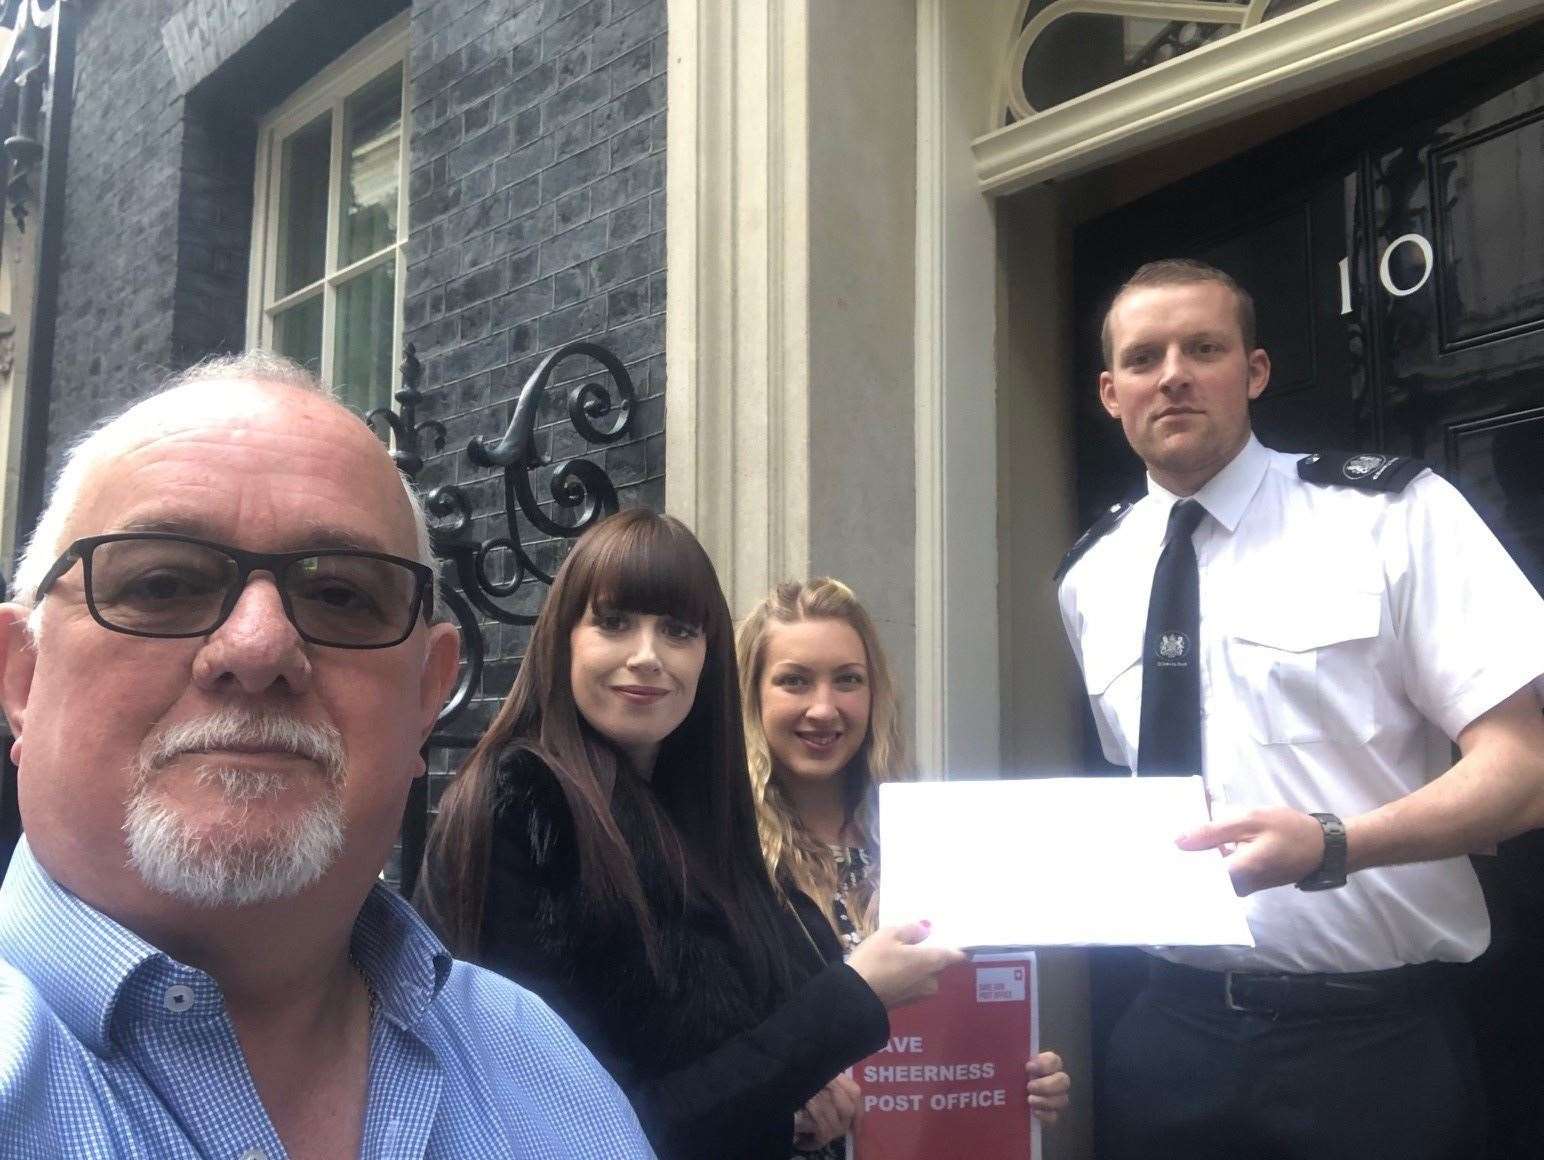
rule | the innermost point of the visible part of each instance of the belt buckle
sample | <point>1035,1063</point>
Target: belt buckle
<point>1227,993</point>
<point>1242,1008</point>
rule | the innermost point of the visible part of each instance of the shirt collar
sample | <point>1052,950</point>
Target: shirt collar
<point>77,958</point>
<point>83,962</point>
<point>1227,494</point>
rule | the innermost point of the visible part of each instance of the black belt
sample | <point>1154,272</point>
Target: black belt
<point>1302,994</point>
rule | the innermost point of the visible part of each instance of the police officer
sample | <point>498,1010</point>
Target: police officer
<point>1312,634</point>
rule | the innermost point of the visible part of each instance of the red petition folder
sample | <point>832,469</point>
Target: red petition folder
<point>950,1082</point>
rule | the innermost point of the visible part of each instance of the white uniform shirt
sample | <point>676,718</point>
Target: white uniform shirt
<point>1346,637</point>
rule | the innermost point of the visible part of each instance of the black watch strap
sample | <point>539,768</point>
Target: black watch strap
<point>1332,867</point>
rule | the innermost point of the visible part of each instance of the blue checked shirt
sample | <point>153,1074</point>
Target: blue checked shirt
<point>109,1048</point>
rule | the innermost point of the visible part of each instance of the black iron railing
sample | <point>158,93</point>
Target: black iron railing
<point>490,578</point>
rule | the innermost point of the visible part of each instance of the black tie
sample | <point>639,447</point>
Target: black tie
<point>1171,666</point>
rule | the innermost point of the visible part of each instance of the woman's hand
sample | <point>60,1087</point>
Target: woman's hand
<point>1047,1087</point>
<point>829,1115</point>
<point>896,968</point>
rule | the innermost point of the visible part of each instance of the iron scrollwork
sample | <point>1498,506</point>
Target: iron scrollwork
<point>24,63</point>
<point>578,489</point>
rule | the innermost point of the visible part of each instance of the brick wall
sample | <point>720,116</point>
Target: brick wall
<point>537,209</point>
<point>118,269</point>
<point>158,193</point>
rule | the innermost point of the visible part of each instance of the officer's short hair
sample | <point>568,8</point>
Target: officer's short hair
<point>1180,272</point>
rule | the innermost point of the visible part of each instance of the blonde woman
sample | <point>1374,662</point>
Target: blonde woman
<point>822,732</point>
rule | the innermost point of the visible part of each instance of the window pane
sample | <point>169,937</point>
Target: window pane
<point>372,150</point>
<point>366,310</point>
<point>303,205</point>
<point>297,332</point>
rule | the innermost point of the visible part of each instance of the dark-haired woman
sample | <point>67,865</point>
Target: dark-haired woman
<point>600,847</point>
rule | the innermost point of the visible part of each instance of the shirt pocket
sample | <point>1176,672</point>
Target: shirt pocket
<point>1112,674</point>
<point>1304,668</point>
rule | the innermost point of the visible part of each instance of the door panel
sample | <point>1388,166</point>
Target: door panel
<point>1459,203</point>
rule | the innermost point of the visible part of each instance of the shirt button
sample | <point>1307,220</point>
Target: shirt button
<point>178,998</point>
<point>254,1154</point>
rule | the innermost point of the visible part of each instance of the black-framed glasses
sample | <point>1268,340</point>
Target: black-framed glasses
<point>162,584</point>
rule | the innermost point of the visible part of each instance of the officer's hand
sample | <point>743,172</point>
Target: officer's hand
<point>1047,1086</point>
<point>1263,848</point>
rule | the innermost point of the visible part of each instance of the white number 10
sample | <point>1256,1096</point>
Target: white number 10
<point>1428,263</point>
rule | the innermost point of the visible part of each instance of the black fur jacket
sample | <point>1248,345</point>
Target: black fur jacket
<point>714,1071</point>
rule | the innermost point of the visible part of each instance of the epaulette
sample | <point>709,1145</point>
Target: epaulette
<point>1359,469</point>
<point>1102,525</point>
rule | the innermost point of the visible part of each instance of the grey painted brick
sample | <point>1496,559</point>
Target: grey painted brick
<point>629,223</point>
<point>627,303</point>
<point>573,208</point>
<point>524,57</point>
<point>531,229</point>
<point>478,117</point>
<point>634,28</point>
<point>572,172</point>
<point>631,68</point>
<point>569,286</point>
<point>530,301</point>
<point>525,267</point>
<point>479,151</point>
<point>630,145</point>
<point>573,137</point>
<point>474,321</point>
<point>527,89</point>
<point>556,9</point>
<point>489,212</point>
<point>586,93</point>
<point>522,163</point>
<point>634,260</point>
<point>581,320</point>
<point>576,245</point>
<point>584,22</point>
<point>524,339</point>
<point>527,125</point>
<point>481,83</point>
<point>573,64</point>
<point>431,142</point>
<point>636,339</point>
<point>524,196</point>
<point>476,286</point>
<point>635,104</point>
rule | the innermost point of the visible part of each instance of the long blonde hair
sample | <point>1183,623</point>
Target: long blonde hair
<point>793,854</point>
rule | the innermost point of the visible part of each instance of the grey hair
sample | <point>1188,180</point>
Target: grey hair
<point>119,433</point>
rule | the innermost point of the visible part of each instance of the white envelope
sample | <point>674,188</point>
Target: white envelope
<point>1067,861</point>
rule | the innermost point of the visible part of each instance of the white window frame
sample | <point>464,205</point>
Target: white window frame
<point>326,92</point>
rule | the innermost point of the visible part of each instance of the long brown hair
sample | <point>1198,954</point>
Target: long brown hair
<point>698,796</point>
<point>792,854</point>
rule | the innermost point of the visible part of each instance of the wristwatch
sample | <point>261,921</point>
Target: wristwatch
<point>1332,867</point>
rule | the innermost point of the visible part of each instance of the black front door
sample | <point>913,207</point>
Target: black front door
<point>1396,253</point>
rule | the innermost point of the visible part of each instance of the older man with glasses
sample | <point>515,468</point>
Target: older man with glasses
<point>220,666</point>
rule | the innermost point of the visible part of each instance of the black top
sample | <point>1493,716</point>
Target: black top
<point>713,1069</point>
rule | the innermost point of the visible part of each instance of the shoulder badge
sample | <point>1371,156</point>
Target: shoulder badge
<point>1112,516</point>
<point>1360,469</point>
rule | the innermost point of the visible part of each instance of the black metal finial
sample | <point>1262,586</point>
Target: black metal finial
<point>579,493</point>
<point>403,423</point>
